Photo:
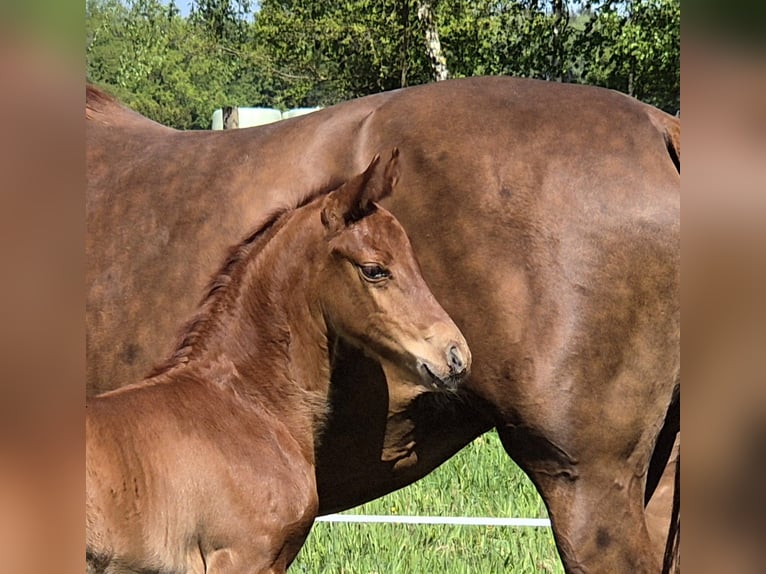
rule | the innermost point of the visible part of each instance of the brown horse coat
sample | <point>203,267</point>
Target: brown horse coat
<point>208,466</point>
<point>546,219</point>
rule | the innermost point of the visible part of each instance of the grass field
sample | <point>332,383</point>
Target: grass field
<point>480,481</point>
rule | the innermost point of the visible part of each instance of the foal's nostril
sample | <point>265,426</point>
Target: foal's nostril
<point>456,361</point>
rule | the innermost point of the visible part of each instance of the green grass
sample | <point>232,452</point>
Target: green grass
<point>480,481</point>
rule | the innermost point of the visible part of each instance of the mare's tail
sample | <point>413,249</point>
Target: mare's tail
<point>670,128</point>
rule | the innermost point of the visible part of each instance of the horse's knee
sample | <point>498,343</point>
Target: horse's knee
<point>596,505</point>
<point>601,526</point>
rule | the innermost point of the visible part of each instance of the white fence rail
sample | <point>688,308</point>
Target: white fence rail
<point>458,520</point>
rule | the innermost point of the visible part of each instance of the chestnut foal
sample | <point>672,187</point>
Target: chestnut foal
<point>208,464</point>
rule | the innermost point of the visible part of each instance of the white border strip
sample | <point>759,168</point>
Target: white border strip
<point>458,520</point>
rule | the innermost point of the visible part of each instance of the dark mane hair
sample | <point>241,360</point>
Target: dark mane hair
<point>227,275</point>
<point>103,108</point>
<point>97,99</point>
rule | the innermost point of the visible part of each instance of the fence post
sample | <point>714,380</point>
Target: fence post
<point>230,117</point>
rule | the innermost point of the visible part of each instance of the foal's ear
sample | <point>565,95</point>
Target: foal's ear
<point>356,198</point>
<point>383,180</point>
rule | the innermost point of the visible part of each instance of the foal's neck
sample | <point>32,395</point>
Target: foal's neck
<point>267,328</point>
<point>271,323</point>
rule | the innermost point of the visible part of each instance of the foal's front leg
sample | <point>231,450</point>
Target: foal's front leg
<point>263,542</point>
<point>260,560</point>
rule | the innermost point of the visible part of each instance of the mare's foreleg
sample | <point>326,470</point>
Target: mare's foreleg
<point>595,501</point>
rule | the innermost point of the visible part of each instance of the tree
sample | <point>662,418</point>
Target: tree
<point>171,69</point>
<point>634,46</point>
<point>433,43</point>
<point>325,52</point>
<point>224,20</point>
<point>527,38</point>
<point>291,53</point>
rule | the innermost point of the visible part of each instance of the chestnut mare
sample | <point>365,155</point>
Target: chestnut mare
<point>208,465</point>
<point>546,218</point>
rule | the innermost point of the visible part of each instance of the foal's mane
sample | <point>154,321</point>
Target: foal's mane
<point>229,274</point>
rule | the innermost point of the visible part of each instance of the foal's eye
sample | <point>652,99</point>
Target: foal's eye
<point>374,273</point>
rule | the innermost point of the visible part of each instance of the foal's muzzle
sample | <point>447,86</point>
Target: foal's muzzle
<point>451,370</point>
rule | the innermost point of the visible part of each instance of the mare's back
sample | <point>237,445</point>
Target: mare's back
<point>485,158</point>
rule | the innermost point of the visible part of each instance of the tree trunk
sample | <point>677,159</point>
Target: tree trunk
<point>433,44</point>
<point>404,18</point>
<point>560,22</point>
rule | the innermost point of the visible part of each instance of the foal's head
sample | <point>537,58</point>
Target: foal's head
<point>372,290</point>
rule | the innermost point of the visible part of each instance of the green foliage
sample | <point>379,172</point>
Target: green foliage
<point>326,52</point>
<point>223,20</point>
<point>518,37</point>
<point>291,53</point>
<point>173,69</point>
<point>634,46</point>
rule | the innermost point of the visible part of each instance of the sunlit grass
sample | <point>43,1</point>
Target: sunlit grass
<point>480,481</point>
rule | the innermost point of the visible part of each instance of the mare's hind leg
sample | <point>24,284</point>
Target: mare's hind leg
<point>595,501</point>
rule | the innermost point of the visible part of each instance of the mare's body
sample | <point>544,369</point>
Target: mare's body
<point>208,465</point>
<point>546,218</point>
